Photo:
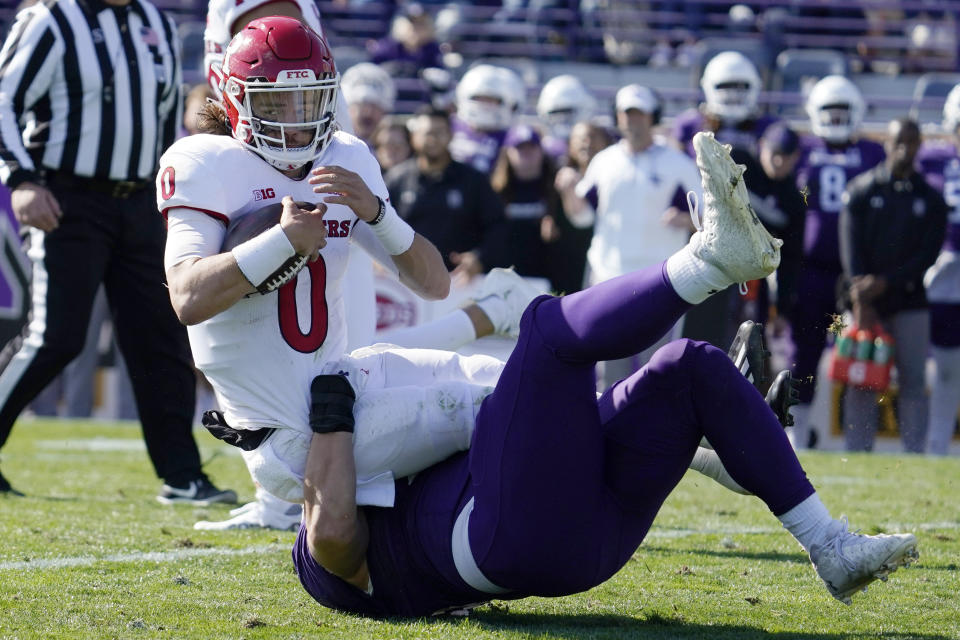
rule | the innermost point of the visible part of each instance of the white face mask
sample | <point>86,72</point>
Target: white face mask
<point>287,126</point>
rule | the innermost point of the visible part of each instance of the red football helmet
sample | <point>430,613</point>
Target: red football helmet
<point>280,88</point>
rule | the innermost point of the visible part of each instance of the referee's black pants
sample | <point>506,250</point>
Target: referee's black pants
<point>119,242</point>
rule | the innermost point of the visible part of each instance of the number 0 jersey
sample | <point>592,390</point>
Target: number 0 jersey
<point>262,353</point>
<point>822,176</point>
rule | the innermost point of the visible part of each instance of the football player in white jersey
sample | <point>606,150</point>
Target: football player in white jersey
<point>261,352</point>
<point>224,19</point>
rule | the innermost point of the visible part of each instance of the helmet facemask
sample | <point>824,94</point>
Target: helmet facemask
<point>734,100</point>
<point>287,124</point>
<point>834,122</point>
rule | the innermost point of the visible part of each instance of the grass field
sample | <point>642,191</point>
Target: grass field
<point>89,553</point>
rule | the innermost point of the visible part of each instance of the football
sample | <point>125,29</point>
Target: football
<point>251,225</point>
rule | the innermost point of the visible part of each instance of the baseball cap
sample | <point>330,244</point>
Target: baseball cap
<point>636,96</point>
<point>521,134</point>
<point>781,139</point>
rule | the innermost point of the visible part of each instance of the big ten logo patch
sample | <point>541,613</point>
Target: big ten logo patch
<point>338,228</point>
<point>264,194</point>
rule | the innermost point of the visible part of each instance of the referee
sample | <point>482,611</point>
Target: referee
<point>89,99</point>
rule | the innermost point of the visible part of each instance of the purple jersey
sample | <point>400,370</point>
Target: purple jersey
<point>479,149</point>
<point>822,176</point>
<point>939,162</point>
<point>742,136</point>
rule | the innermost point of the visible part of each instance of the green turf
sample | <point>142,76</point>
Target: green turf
<point>715,565</point>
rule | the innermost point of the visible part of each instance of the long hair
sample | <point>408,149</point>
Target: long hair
<point>503,180</point>
<point>213,119</point>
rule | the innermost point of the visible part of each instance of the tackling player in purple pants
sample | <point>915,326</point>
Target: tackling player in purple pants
<point>559,487</point>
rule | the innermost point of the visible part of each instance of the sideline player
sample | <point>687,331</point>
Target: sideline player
<point>277,115</point>
<point>939,162</point>
<point>731,87</point>
<point>553,473</point>
<point>828,161</point>
<point>489,98</point>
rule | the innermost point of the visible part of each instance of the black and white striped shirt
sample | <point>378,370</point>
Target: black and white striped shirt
<point>88,89</point>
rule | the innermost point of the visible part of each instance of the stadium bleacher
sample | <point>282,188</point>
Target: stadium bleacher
<point>902,53</point>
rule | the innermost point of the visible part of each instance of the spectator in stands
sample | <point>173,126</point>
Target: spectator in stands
<point>939,161</point>
<point>932,34</point>
<point>448,202</point>
<point>891,228</point>
<point>370,94</point>
<point>637,169</point>
<point>192,105</point>
<point>586,140</point>
<point>731,86</point>
<point>523,178</point>
<point>771,181</point>
<point>564,101</point>
<point>831,158</point>
<point>410,48</point>
<point>488,101</point>
<point>391,143</point>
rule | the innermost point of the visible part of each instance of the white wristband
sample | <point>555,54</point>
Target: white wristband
<point>259,257</point>
<point>393,232</point>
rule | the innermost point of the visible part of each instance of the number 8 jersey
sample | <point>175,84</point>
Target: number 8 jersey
<point>822,176</point>
<point>262,353</point>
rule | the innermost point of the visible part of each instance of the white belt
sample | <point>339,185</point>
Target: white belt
<point>463,557</point>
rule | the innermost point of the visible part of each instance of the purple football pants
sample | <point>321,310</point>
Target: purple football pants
<point>566,486</point>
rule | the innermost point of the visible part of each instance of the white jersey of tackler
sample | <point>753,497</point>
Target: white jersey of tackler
<point>262,353</point>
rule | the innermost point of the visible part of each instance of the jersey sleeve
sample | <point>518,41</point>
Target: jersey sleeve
<point>189,178</point>
<point>191,234</point>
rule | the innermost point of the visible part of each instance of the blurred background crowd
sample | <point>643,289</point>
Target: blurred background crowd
<point>555,136</point>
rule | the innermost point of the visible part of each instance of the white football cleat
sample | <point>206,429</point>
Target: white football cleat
<point>848,562</point>
<point>253,515</point>
<point>504,296</point>
<point>732,238</point>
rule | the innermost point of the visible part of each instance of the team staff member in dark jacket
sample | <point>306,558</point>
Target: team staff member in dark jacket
<point>891,228</point>
<point>448,202</point>
<point>98,84</point>
<point>771,182</point>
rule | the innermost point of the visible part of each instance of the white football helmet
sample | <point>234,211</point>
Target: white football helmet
<point>731,86</point>
<point>564,101</point>
<point>489,97</point>
<point>835,107</point>
<point>951,111</point>
<point>367,82</point>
